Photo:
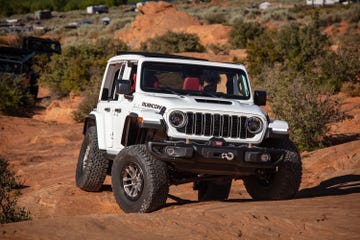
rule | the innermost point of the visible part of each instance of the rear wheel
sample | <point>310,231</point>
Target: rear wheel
<point>214,190</point>
<point>139,182</point>
<point>92,165</point>
<point>281,184</point>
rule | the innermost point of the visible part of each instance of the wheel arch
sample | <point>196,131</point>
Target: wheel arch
<point>137,129</point>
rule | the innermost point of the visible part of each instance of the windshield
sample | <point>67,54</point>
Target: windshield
<point>190,79</point>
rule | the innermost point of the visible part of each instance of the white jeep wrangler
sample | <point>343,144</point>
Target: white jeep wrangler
<point>165,119</point>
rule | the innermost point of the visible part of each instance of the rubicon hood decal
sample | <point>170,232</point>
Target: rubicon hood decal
<point>151,105</point>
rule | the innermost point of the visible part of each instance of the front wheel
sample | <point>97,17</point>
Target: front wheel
<point>92,165</point>
<point>139,182</point>
<point>281,184</point>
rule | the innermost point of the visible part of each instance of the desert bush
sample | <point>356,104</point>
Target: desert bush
<point>9,211</point>
<point>296,99</point>
<point>241,32</point>
<point>294,46</point>
<point>353,13</point>
<point>214,18</point>
<point>88,103</point>
<point>262,52</point>
<point>223,49</point>
<point>351,89</point>
<point>343,65</point>
<point>118,24</point>
<point>172,42</point>
<point>79,66</point>
<point>329,19</point>
<point>278,15</point>
<point>13,94</point>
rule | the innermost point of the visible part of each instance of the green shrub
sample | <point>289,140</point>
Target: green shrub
<point>298,100</point>
<point>14,95</point>
<point>241,32</point>
<point>294,46</point>
<point>343,65</point>
<point>353,13</point>
<point>219,49</point>
<point>214,18</point>
<point>88,103</point>
<point>172,42</point>
<point>9,211</point>
<point>79,66</point>
<point>262,52</point>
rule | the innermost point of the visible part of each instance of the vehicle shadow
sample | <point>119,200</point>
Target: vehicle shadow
<point>341,185</point>
<point>106,188</point>
<point>178,201</point>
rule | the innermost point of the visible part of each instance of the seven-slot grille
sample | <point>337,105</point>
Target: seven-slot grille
<point>206,124</point>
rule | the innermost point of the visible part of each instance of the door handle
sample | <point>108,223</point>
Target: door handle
<point>107,109</point>
<point>118,110</point>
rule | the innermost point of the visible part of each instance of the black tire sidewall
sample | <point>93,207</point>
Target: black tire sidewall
<point>285,182</point>
<point>91,177</point>
<point>149,200</point>
<point>118,166</point>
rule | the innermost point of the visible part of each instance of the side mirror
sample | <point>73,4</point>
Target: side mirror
<point>123,87</point>
<point>260,98</point>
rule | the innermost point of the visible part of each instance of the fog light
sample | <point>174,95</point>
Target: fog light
<point>265,157</point>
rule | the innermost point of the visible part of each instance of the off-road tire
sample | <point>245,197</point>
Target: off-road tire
<point>214,190</point>
<point>281,184</point>
<point>140,183</point>
<point>92,165</point>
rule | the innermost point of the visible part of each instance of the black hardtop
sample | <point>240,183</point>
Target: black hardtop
<point>42,45</point>
<point>159,55</point>
<point>16,54</point>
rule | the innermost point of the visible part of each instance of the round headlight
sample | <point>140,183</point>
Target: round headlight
<point>254,125</point>
<point>178,119</point>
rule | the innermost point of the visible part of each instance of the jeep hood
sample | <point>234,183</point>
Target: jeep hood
<point>198,104</point>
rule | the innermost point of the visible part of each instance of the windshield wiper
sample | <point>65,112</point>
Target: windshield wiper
<point>209,94</point>
<point>174,91</point>
<point>224,95</point>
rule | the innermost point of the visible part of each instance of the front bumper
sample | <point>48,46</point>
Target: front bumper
<point>218,160</point>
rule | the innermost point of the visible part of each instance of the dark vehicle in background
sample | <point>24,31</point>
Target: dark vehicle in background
<point>19,61</point>
<point>42,45</point>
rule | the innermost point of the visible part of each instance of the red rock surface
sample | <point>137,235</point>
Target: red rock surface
<point>44,153</point>
<point>160,17</point>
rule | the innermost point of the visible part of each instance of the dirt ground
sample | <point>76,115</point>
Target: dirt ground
<point>44,149</point>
